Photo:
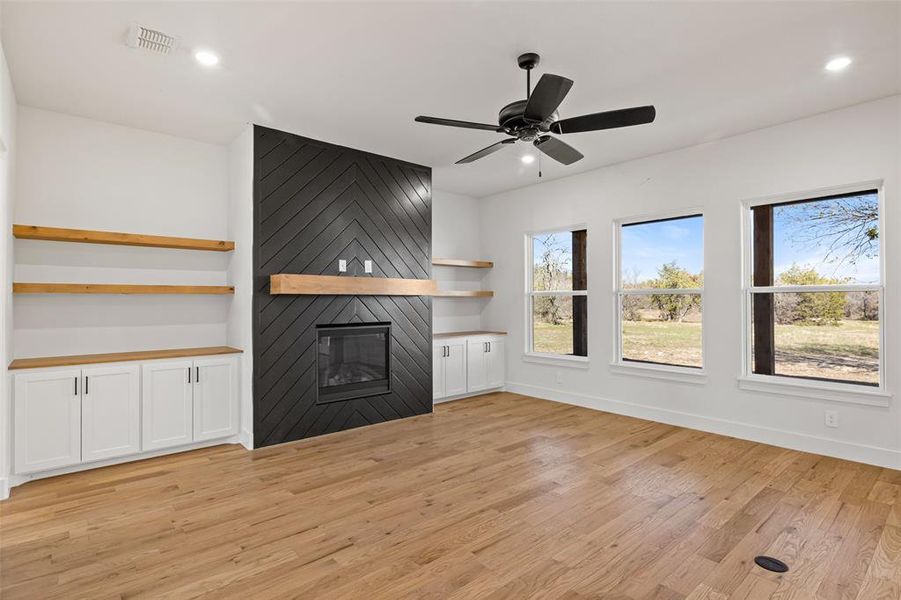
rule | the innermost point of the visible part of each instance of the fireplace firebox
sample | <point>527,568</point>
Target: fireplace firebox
<point>352,361</point>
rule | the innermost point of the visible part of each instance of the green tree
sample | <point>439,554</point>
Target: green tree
<point>674,307</point>
<point>809,308</point>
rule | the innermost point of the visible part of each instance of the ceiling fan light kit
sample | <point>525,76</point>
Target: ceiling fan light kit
<point>533,120</point>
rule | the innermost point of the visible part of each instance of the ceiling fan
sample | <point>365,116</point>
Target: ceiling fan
<point>533,119</point>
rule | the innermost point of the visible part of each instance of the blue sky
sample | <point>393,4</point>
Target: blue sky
<point>562,240</point>
<point>648,246</point>
<point>791,248</point>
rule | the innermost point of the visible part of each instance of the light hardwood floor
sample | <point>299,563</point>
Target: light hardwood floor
<point>499,496</point>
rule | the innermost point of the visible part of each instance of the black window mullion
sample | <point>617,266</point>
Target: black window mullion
<point>580,303</point>
<point>763,304</point>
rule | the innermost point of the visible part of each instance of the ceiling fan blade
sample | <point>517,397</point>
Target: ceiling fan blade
<point>559,151</point>
<point>486,151</point>
<point>546,97</point>
<point>611,119</point>
<point>456,123</point>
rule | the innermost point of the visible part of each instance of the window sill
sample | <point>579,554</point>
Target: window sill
<point>557,360</point>
<point>832,392</point>
<point>679,374</point>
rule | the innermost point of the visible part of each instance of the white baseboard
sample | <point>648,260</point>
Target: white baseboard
<point>246,438</point>
<point>881,457</point>
<point>15,479</point>
<point>466,395</point>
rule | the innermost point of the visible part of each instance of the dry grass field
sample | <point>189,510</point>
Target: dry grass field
<point>848,351</point>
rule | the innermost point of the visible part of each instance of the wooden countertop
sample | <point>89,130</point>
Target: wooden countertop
<point>450,334</point>
<point>90,359</point>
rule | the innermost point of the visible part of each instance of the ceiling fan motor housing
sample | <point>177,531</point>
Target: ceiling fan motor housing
<point>510,118</point>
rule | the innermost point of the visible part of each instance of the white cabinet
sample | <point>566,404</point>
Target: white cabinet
<point>455,368</point>
<point>110,412</point>
<point>186,401</point>
<point>70,416</point>
<point>449,368</point>
<point>215,398</point>
<point>485,364</point>
<point>167,404</point>
<point>47,420</point>
<point>475,365</point>
<point>467,364</point>
<point>495,367</point>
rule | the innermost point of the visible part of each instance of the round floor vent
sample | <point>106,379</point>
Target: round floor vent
<point>771,564</point>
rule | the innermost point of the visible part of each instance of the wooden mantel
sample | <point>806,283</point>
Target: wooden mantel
<point>328,285</point>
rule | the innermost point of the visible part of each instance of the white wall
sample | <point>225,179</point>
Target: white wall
<point>455,234</point>
<point>7,171</point>
<point>856,144</point>
<point>240,269</point>
<point>75,172</point>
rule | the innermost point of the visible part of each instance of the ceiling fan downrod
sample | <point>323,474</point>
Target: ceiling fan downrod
<point>527,62</point>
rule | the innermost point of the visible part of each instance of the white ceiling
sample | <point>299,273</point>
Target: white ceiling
<point>357,74</point>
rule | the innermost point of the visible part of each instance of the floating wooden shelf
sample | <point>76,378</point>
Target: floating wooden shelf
<point>328,285</point>
<point>118,288</point>
<point>460,262</point>
<point>87,236</point>
<point>464,294</point>
<point>90,359</point>
<point>453,334</point>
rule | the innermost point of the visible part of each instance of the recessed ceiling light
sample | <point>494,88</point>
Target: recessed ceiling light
<point>839,63</point>
<point>206,58</point>
<point>528,159</point>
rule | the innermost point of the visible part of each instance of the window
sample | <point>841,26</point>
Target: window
<point>814,289</point>
<point>660,292</point>
<point>557,290</point>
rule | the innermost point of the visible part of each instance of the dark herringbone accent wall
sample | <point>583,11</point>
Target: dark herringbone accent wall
<point>313,204</point>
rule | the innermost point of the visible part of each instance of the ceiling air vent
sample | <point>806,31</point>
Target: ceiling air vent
<point>150,39</point>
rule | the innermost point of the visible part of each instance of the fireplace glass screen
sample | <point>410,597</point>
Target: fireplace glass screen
<point>353,361</point>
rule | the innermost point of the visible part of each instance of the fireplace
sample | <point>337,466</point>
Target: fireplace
<point>352,361</point>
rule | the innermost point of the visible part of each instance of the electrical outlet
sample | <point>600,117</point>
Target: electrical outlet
<point>367,266</point>
<point>831,418</point>
<point>342,265</point>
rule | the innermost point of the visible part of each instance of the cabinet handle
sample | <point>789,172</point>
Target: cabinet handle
<point>189,374</point>
<point>76,385</point>
<point>197,375</point>
<point>489,346</point>
<point>445,351</point>
<point>85,385</point>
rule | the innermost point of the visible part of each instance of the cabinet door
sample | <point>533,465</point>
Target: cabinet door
<point>475,366</point>
<point>166,404</point>
<point>438,371</point>
<point>47,420</point>
<point>215,398</point>
<point>494,362</point>
<point>455,369</point>
<point>110,412</point>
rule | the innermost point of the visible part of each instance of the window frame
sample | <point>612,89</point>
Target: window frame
<point>839,391</point>
<point>651,369</point>
<point>546,357</point>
